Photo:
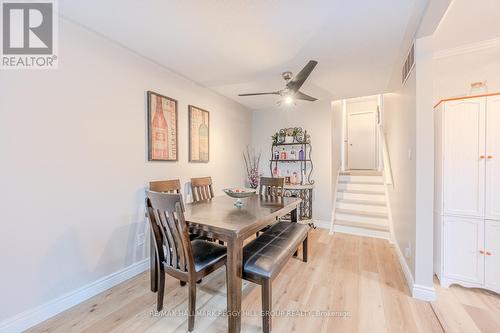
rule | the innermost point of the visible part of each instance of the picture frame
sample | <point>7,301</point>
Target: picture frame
<point>162,128</point>
<point>199,134</point>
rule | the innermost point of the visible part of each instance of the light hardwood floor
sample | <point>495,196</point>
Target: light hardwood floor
<point>345,273</point>
<point>462,309</point>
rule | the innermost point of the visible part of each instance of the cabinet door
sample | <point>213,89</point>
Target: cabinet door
<point>464,157</point>
<point>493,158</point>
<point>463,241</point>
<point>492,257</point>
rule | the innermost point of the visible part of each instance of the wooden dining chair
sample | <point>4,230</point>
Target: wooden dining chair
<point>166,186</point>
<point>178,256</point>
<point>272,186</point>
<point>202,188</point>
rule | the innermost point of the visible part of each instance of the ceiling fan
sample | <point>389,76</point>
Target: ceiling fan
<point>291,91</point>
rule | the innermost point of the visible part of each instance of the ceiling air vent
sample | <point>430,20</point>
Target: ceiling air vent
<point>409,64</point>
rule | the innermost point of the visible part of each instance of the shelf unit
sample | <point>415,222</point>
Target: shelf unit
<point>304,189</point>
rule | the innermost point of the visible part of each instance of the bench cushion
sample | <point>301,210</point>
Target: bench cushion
<point>264,257</point>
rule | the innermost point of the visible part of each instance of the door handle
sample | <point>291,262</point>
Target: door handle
<point>488,253</point>
<point>489,157</point>
<point>482,157</point>
<point>481,251</point>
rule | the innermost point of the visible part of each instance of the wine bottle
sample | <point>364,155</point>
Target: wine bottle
<point>301,154</point>
<point>159,132</point>
<point>203,139</point>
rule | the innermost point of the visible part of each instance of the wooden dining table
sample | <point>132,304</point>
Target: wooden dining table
<point>221,219</point>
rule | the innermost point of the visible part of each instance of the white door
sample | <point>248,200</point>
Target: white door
<point>464,157</point>
<point>492,255</point>
<point>493,158</point>
<point>463,243</point>
<point>362,140</point>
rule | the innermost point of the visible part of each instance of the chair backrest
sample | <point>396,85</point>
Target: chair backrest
<point>168,186</point>
<point>170,231</point>
<point>272,186</point>
<point>202,188</point>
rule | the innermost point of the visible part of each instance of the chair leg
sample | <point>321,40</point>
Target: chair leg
<point>161,289</point>
<point>182,283</point>
<point>267,302</point>
<point>304,250</point>
<point>221,242</point>
<point>192,306</point>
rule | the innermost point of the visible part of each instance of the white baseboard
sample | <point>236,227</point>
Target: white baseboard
<point>418,291</point>
<point>322,224</point>
<point>361,231</point>
<point>424,293</point>
<point>31,317</point>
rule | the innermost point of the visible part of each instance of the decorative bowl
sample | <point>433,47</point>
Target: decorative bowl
<point>239,193</point>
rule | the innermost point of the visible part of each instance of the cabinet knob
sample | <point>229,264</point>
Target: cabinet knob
<point>490,157</point>
<point>482,157</point>
<point>481,251</point>
<point>488,253</point>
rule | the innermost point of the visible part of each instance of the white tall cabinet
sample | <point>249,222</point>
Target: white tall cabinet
<point>467,192</point>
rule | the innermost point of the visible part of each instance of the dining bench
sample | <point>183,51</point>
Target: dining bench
<point>265,256</point>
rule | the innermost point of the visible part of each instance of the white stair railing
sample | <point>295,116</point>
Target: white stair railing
<point>384,152</point>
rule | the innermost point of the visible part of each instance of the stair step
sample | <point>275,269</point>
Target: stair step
<point>361,187</point>
<point>362,217</point>
<point>358,213</point>
<point>361,208</point>
<point>361,182</point>
<point>362,202</point>
<point>361,179</point>
<point>380,193</point>
<point>363,225</point>
<point>362,197</point>
<point>361,173</point>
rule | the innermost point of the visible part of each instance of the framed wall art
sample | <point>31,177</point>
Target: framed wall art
<point>199,138</point>
<point>162,128</point>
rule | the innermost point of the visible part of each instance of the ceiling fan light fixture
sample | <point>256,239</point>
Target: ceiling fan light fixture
<point>288,100</point>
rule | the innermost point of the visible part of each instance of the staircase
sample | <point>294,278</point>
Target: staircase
<point>361,206</point>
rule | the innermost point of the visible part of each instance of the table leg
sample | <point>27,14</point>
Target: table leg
<point>153,267</point>
<point>294,215</point>
<point>233,277</point>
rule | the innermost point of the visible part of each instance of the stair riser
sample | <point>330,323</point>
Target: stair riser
<point>364,219</point>
<point>361,187</point>
<point>362,179</point>
<point>361,207</point>
<point>358,196</point>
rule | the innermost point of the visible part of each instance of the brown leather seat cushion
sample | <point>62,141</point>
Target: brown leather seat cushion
<point>265,256</point>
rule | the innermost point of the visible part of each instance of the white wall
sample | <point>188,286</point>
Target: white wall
<point>316,118</point>
<point>399,125</point>
<point>74,164</point>
<point>454,72</point>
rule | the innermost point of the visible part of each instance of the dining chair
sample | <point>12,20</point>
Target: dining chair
<point>202,188</point>
<point>166,186</point>
<point>178,256</point>
<point>272,186</point>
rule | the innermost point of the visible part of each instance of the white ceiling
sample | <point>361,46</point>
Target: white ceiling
<point>468,21</point>
<point>242,46</point>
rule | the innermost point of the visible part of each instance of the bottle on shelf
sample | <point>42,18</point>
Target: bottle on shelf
<point>293,155</point>
<point>301,154</point>
<point>283,154</point>
<point>276,155</point>
<point>294,178</point>
<point>275,170</point>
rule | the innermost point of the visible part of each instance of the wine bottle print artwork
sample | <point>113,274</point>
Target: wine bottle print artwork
<point>162,117</point>
<point>198,134</point>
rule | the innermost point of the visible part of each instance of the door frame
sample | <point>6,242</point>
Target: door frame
<point>345,141</point>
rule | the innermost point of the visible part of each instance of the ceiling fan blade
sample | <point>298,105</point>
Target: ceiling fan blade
<point>301,95</point>
<point>300,78</point>
<point>257,94</point>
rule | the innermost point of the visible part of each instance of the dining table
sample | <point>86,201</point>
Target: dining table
<point>219,218</point>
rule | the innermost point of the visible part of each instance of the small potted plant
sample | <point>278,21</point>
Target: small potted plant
<point>289,135</point>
